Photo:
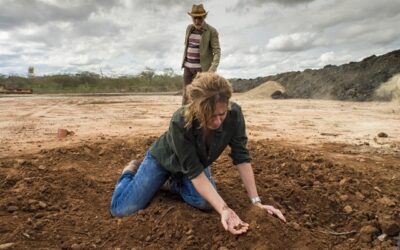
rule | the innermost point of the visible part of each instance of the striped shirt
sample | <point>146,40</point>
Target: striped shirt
<point>192,60</point>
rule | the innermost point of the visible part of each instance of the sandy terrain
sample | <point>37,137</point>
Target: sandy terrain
<point>30,123</point>
<point>321,162</point>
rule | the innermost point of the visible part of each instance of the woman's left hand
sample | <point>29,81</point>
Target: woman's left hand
<point>271,210</point>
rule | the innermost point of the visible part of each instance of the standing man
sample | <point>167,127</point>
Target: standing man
<point>202,50</point>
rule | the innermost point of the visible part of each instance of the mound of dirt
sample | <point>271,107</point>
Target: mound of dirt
<point>59,199</point>
<point>264,91</point>
<point>390,90</point>
<point>353,81</point>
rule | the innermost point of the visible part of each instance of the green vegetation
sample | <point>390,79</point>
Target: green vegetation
<point>88,82</point>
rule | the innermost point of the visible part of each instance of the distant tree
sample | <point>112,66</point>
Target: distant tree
<point>31,71</point>
<point>168,72</point>
<point>148,74</point>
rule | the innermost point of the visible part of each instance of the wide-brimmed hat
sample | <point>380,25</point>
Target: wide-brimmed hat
<point>197,10</point>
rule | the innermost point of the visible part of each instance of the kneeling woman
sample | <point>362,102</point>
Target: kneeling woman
<point>179,160</point>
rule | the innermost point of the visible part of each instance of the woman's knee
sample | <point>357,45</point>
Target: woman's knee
<point>121,210</point>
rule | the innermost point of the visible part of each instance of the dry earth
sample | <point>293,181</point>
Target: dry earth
<point>326,164</point>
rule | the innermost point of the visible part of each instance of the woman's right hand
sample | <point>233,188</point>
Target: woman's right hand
<point>231,222</point>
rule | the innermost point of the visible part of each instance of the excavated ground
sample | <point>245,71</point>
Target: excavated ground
<point>320,162</point>
<point>59,198</point>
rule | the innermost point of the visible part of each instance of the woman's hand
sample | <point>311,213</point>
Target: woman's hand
<point>271,210</point>
<point>231,222</point>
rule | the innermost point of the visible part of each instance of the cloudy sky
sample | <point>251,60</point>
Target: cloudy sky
<point>258,37</point>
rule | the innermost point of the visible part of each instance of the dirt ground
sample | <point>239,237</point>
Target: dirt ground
<point>332,167</point>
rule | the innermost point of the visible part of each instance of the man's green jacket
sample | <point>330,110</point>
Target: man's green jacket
<point>210,51</point>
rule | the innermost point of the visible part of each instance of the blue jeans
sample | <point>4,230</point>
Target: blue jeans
<point>134,191</point>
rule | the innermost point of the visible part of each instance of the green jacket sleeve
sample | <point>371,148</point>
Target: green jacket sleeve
<point>238,143</point>
<point>216,50</point>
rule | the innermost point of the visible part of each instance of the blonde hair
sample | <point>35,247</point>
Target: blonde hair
<point>206,90</point>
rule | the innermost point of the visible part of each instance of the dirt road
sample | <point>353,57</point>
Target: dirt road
<point>332,167</point>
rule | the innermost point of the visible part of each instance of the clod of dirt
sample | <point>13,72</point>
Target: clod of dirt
<point>12,209</point>
<point>344,197</point>
<point>360,196</point>
<point>6,245</point>
<point>238,227</point>
<point>62,133</point>
<point>389,227</point>
<point>382,135</point>
<point>386,201</point>
<point>368,233</point>
<point>348,209</point>
<point>42,204</point>
<point>382,237</point>
<point>295,226</point>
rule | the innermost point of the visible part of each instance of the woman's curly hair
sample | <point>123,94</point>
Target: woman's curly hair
<point>206,90</point>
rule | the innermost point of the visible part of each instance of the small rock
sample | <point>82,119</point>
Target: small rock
<point>222,248</point>
<point>7,245</point>
<point>342,181</point>
<point>75,246</point>
<point>148,238</point>
<point>12,209</point>
<point>87,150</point>
<point>367,233</point>
<point>42,204</point>
<point>360,196</point>
<point>344,197</point>
<point>38,215</point>
<point>382,134</point>
<point>20,162</point>
<point>382,237</point>
<point>31,201</point>
<point>295,226</point>
<point>190,237</point>
<point>42,167</point>
<point>348,209</point>
<point>386,201</point>
<point>378,189</point>
<point>189,232</point>
<point>304,167</point>
<point>389,227</point>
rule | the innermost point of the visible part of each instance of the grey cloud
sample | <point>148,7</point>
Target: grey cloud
<point>90,61</point>
<point>345,12</point>
<point>291,42</point>
<point>165,8</point>
<point>55,34</point>
<point>97,28</point>
<point>22,12</point>
<point>245,6</point>
<point>5,59</point>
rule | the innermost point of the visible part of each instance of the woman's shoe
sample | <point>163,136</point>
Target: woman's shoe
<point>133,166</point>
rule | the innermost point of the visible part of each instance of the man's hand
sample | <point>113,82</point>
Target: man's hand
<point>271,210</point>
<point>231,222</point>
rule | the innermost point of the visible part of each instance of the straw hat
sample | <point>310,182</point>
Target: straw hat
<point>197,10</point>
